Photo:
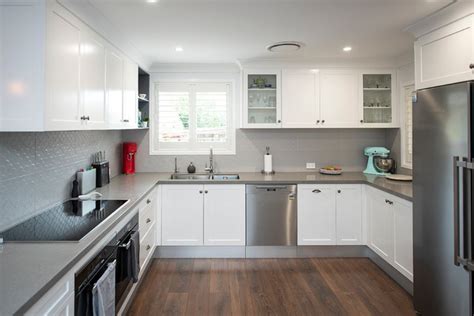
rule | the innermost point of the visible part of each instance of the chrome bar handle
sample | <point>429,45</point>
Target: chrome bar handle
<point>456,208</point>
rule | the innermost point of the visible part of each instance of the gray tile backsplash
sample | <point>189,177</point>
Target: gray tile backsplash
<point>36,169</point>
<point>291,150</point>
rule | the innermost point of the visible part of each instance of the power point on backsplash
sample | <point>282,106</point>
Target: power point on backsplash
<point>310,165</point>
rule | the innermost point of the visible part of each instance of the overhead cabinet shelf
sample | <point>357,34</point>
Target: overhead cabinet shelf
<point>67,77</point>
<point>311,98</point>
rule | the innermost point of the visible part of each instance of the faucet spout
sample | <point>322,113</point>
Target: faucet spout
<point>211,162</point>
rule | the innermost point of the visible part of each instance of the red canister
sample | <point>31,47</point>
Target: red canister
<point>129,151</point>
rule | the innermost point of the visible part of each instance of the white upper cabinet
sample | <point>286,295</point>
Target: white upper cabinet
<point>261,98</point>
<point>63,41</point>
<point>114,88</point>
<point>445,55</point>
<point>58,74</point>
<point>300,98</point>
<point>93,54</point>
<point>130,94</point>
<point>339,93</point>
<point>378,99</point>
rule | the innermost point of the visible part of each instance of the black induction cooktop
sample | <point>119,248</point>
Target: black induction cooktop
<point>69,221</point>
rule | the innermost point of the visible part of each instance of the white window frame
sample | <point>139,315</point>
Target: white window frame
<point>231,118</point>
<point>403,131</point>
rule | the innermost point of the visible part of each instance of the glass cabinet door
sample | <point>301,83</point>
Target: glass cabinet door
<point>377,98</point>
<point>262,99</point>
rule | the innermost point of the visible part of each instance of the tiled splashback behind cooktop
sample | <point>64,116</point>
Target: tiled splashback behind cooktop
<point>37,169</point>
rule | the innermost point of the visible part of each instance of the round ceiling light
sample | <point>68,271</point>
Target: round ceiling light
<point>284,47</point>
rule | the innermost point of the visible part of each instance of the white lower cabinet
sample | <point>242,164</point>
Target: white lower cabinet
<point>403,238</point>
<point>224,215</point>
<point>182,215</point>
<point>203,215</point>
<point>390,225</point>
<point>329,214</point>
<point>316,215</point>
<point>59,300</point>
<point>349,214</point>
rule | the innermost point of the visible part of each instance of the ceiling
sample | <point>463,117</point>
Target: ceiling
<point>220,31</point>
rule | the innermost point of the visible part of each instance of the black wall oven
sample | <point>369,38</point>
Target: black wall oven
<point>123,249</point>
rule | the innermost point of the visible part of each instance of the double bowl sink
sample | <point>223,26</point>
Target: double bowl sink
<point>204,176</point>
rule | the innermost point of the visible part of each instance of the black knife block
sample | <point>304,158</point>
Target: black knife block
<point>102,173</point>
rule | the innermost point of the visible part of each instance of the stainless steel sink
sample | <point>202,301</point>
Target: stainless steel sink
<point>189,176</point>
<point>225,176</point>
<point>204,176</point>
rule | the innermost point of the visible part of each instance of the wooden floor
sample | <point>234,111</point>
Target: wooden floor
<point>352,286</point>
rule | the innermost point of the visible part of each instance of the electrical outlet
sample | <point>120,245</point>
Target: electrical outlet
<point>310,165</point>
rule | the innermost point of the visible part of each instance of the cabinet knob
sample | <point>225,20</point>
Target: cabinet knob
<point>362,121</point>
<point>279,121</point>
<point>317,122</point>
<point>206,191</point>
<point>87,118</point>
<point>323,121</point>
<point>471,66</point>
<point>148,247</point>
<point>126,121</point>
<point>338,191</point>
<point>148,201</point>
<point>316,191</point>
<point>388,201</point>
<point>148,220</point>
<point>200,191</point>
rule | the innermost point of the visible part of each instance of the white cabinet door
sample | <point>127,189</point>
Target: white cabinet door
<point>21,66</point>
<point>261,98</point>
<point>444,56</point>
<point>59,300</point>
<point>224,214</point>
<point>339,95</point>
<point>130,94</point>
<point>316,215</point>
<point>380,217</point>
<point>182,215</point>
<point>114,84</point>
<point>349,214</point>
<point>93,80</point>
<point>63,106</point>
<point>300,98</point>
<point>403,235</point>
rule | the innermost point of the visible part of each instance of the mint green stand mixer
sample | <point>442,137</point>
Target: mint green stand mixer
<point>372,152</point>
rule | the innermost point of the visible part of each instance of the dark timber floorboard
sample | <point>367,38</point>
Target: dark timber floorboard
<point>346,286</point>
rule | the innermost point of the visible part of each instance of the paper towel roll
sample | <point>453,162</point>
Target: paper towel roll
<point>267,164</point>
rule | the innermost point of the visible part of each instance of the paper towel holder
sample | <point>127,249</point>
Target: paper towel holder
<point>267,173</point>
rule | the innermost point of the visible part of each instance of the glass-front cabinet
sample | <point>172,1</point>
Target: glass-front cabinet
<point>378,99</point>
<point>262,99</point>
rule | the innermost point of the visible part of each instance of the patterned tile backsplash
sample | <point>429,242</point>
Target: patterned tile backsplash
<point>37,169</point>
<point>291,150</point>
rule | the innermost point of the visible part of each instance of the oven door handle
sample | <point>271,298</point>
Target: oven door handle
<point>125,245</point>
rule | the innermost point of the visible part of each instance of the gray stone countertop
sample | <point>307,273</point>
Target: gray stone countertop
<point>397,188</point>
<point>29,270</point>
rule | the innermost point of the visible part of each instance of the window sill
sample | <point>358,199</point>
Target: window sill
<point>191,152</point>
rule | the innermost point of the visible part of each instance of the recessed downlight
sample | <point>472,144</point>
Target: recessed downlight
<point>179,49</point>
<point>284,47</point>
<point>347,49</point>
<point>152,1</point>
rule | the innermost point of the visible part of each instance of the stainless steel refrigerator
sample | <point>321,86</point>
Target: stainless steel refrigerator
<point>442,209</point>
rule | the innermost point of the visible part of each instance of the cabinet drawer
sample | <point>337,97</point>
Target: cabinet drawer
<point>146,218</point>
<point>146,246</point>
<point>147,200</point>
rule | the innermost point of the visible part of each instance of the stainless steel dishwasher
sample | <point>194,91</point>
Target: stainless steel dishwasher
<point>271,215</point>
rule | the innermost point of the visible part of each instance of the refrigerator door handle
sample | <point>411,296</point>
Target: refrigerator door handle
<point>456,209</point>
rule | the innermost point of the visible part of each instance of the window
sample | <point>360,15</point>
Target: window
<point>191,117</point>
<point>408,91</point>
